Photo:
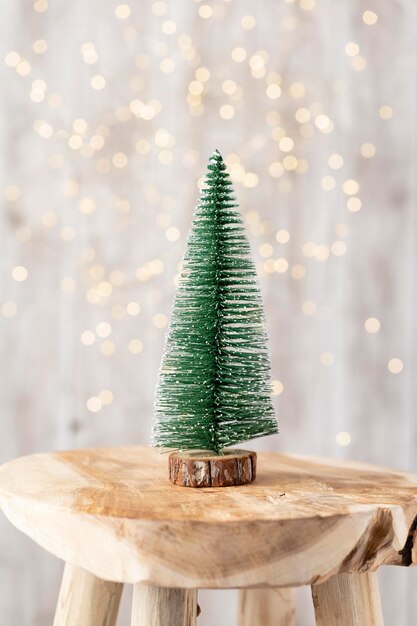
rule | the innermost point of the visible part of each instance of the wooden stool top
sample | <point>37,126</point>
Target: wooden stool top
<point>113,512</point>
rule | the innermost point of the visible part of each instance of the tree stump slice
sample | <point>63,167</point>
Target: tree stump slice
<point>199,468</point>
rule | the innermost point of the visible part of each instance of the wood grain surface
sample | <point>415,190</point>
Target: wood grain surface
<point>266,607</point>
<point>114,512</point>
<point>85,600</point>
<point>161,606</point>
<point>348,600</point>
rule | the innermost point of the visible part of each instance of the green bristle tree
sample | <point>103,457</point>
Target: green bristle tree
<point>214,383</point>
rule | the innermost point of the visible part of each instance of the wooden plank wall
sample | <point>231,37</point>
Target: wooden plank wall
<point>104,136</point>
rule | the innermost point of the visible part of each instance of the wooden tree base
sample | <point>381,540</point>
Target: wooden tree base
<point>199,468</point>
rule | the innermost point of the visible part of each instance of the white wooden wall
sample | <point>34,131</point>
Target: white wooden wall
<point>94,237</point>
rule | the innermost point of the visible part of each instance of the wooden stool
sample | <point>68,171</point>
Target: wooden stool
<point>113,517</point>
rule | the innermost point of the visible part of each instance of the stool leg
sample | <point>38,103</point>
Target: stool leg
<point>85,600</point>
<point>348,600</point>
<point>161,606</point>
<point>266,607</point>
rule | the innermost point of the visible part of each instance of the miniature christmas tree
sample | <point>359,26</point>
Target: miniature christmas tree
<point>214,382</point>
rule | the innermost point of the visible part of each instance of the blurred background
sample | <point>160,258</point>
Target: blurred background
<point>109,113</point>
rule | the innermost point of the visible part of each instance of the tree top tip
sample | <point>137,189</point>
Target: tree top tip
<point>216,155</point>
